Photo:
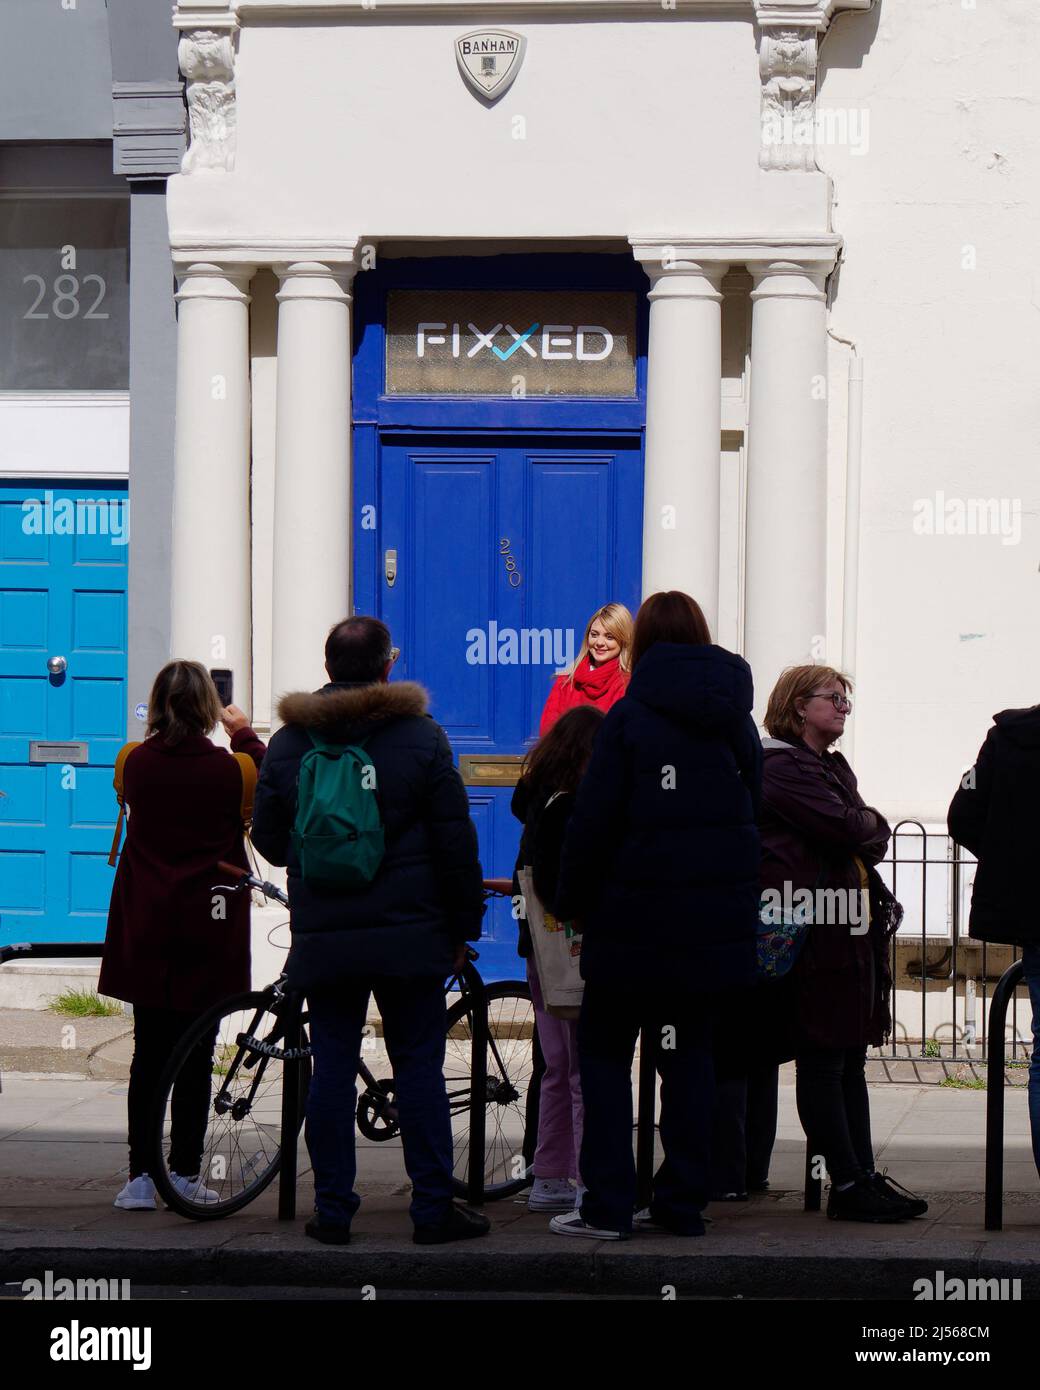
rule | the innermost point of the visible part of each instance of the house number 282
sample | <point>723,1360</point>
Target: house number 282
<point>514,573</point>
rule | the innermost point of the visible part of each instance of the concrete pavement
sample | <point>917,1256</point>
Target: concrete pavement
<point>62,1159</point>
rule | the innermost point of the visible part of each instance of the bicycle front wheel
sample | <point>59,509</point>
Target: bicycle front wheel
<point>218,1111</point>
<point>514,1068</point>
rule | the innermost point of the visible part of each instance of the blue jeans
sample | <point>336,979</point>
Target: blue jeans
<point>1031,964</point>
<point>413,1013</point>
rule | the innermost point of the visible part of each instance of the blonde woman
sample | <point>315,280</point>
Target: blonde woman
<point>600,673</point>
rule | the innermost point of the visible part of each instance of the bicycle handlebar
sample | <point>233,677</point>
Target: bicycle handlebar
<point>244,879</point>
<point>498,887</point>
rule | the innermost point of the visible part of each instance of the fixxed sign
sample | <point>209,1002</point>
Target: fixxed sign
<point>489,342</point>
<point>560,342</point>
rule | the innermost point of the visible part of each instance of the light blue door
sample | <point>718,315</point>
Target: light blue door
<point>500,549</point>
<point>62,594</point>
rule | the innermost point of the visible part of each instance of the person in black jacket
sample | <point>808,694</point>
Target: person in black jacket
<point>660,865</point>
<point>398,937</point>
<point>995,815</point>
<point>543,800</point>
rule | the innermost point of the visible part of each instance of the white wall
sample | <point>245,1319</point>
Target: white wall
<point>66,434</point>
<point>366,127</point>
<point>948,624</point>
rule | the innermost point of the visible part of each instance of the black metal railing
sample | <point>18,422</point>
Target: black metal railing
<point>1002,995</point>
<point>942,980</point>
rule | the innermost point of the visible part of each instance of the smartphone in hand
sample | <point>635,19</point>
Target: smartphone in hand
<point>224,681</point>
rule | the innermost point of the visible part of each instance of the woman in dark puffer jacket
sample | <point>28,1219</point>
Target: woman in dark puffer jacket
<point>660,865</point>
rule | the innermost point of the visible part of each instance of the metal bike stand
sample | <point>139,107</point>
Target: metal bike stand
<point>1002,996</point>
<point>478,1090</point>
<point>291,1070</point>
<point>645,1118</point>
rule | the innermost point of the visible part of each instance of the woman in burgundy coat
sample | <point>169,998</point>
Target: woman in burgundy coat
<point>165,951</point>
<point>819,838</point>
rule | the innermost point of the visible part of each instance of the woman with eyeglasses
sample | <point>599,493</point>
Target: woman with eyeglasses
<point>819,835</point>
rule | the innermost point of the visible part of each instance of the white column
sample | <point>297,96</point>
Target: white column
<point>312,519</point>
<point>786,573</point>
<point>211,610</point>
<point>683,425</point>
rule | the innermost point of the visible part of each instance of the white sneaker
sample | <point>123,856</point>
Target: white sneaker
<point>193,1190</point>
<point>137,1195</point>
<point>551,1194</point>
<point>573,1225</point>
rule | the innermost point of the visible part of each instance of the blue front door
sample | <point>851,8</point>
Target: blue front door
<point>62,594</point>
<point>495,552</point>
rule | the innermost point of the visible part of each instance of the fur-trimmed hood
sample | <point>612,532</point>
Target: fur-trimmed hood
<point>339,705</point>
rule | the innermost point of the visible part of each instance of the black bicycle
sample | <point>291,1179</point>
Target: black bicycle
<point>254,1048</point>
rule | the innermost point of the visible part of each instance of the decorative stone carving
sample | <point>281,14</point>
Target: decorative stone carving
<point>787,63</point>
<point>207,60</point>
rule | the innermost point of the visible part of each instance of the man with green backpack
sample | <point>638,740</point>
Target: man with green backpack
<point>360,798</point>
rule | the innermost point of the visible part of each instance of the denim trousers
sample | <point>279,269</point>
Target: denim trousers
<point>413,1013</point>
<point>1031,964</point>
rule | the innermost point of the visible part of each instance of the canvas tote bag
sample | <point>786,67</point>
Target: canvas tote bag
<point>557,953</point>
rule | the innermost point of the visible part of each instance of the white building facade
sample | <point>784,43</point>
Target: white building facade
<point>758,285</point>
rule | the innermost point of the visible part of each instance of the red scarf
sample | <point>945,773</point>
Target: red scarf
<point>601,686</point>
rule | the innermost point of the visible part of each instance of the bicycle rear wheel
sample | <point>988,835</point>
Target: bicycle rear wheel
<point>234,1057</point>
<point>514,1068</point>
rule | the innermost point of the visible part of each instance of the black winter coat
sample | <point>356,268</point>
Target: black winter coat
<point>660,863</point>
<point>545,818</point>
<point>998,820</point>
<point>426,897</point>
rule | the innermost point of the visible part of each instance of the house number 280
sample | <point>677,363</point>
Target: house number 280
<point>514,573</point>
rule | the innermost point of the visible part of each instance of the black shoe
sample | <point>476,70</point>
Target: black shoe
<point>896,1192</point>
<point>758,1187</point>
<point>328,1232</point>
<point>863,1202</point>
<point>461,1223</point>
<point>649,1220</point>
<point>728,1197</point>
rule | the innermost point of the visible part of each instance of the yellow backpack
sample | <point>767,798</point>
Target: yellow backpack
<point>246,766</point>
